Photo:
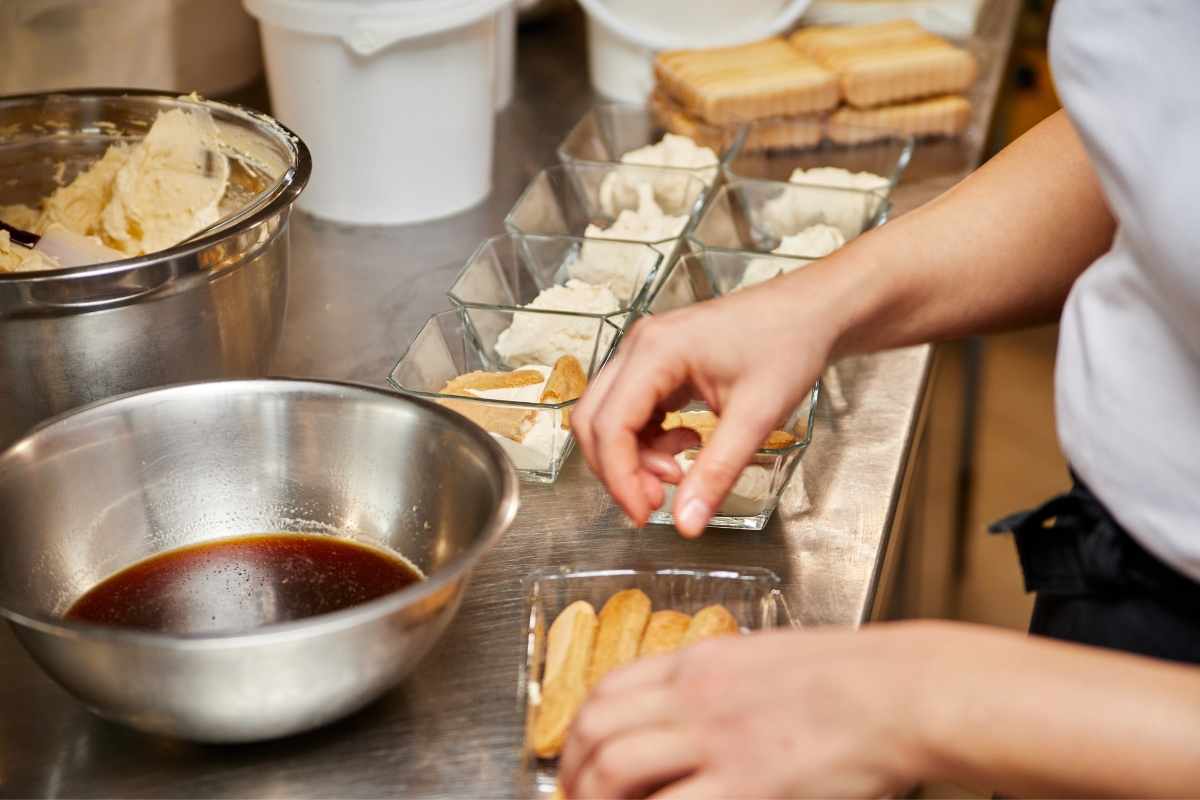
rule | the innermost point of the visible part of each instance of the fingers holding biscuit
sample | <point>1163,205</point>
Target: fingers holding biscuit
<point>748,419</point>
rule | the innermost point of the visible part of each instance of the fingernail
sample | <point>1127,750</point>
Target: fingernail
<point>693,516</point>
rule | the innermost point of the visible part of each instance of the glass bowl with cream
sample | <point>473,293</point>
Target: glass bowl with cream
<point>773,468</point>
<point>700,275</point>
<point>845,156</point>
<point>776,468</point>
<point>515,373</point>
<point>786,218</point>
<point>621,202</point>
<point>629,134</point>
<point>559,273</point>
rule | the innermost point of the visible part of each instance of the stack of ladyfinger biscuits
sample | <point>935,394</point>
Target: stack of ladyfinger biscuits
<point>848,83</point>
<point>582,647</point>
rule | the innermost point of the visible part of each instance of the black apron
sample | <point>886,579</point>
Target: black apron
<point>1096,585</point>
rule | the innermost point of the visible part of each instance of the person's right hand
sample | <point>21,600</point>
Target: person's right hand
<point>752,356</point>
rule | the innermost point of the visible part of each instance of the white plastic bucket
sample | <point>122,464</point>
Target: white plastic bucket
<point>394,98</point>
<point>624,35</point>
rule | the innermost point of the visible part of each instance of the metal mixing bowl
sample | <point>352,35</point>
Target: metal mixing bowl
<point>97,489</point>
<point>211,308</point>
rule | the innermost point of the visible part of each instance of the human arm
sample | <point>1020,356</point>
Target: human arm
<point>999,250</point>
<point>870,713</point>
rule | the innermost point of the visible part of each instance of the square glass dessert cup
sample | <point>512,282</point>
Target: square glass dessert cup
<point>565,200</point>
<point>699,274</point>
<point>753,499</point>
<point>610,130</point>
<point>455,343</point>
<point>510,270</point>
<point>882,152</point>
<point>753,595</point>
<point>695,277</point>
<point>756,215</point>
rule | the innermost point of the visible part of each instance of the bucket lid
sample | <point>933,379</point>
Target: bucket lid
<point>599,11</point>
<point>368,26</point>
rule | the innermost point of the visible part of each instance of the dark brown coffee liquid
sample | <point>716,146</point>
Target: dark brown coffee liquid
<point>242,583</point>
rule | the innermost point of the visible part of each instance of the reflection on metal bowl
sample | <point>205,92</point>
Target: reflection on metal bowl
<point>209,308</point>
<point>156,470</point>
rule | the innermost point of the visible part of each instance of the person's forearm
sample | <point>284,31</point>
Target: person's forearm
<point>999,250</point>
<point>1051,719</point>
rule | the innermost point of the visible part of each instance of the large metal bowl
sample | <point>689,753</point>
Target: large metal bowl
<point>99,488</point>
<point>212,308</point>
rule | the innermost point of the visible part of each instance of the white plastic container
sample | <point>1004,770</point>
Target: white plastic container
<point>395,99</point>
<point>624,35</point>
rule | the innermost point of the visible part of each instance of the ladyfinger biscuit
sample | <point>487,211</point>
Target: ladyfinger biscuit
<point>904,72</point>
<point>570,645</point>
<point>784,133</point>
<point>769,78</point>
<point>704,423</point>
<point>708,623</point>
<point>483,381</point>
<point>566,382</point>
<point>777,133</point>
<point>671,116</point>
<point>939,116</point>
<point>622,622</point>
<point>820,40</point>
<point>507,422</point>
<point>664,633</point>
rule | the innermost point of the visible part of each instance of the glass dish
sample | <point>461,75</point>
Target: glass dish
<point>755,215</point>
<point>753,499</point>
<point>510,271</point>
<point>610,130</point>
<point>753,595</point>
<point>699,275</point>
<point>463,340</point>
<point>566,200</point>
<point>883,153</point>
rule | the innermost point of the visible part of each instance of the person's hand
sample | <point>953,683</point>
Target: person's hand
<point>827,714</point>
<point>751,356</point>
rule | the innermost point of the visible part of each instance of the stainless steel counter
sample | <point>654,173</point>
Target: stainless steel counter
<point>453,730</point>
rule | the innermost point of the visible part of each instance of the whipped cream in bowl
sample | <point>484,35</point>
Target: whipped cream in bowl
<point>613,202</point>
<point>635,134</point>
<point>672,152</point>
<point>815,241</point>
<point>140,197</point>
<point>639,217</point>
<point>511,271</point>
<point>586,331</point>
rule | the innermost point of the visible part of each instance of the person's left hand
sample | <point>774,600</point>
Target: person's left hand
<point>829,713</point>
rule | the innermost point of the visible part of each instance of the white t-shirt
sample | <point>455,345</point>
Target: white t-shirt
<point>1128,374</point>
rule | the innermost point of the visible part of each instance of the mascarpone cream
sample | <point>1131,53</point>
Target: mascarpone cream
<point>139,198</point>
<point>678,151</point>
<point>816,241</point>
<point>543,338</point>
<point>643,221</point>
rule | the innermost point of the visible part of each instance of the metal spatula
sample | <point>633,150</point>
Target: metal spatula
<point>68,248</point>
